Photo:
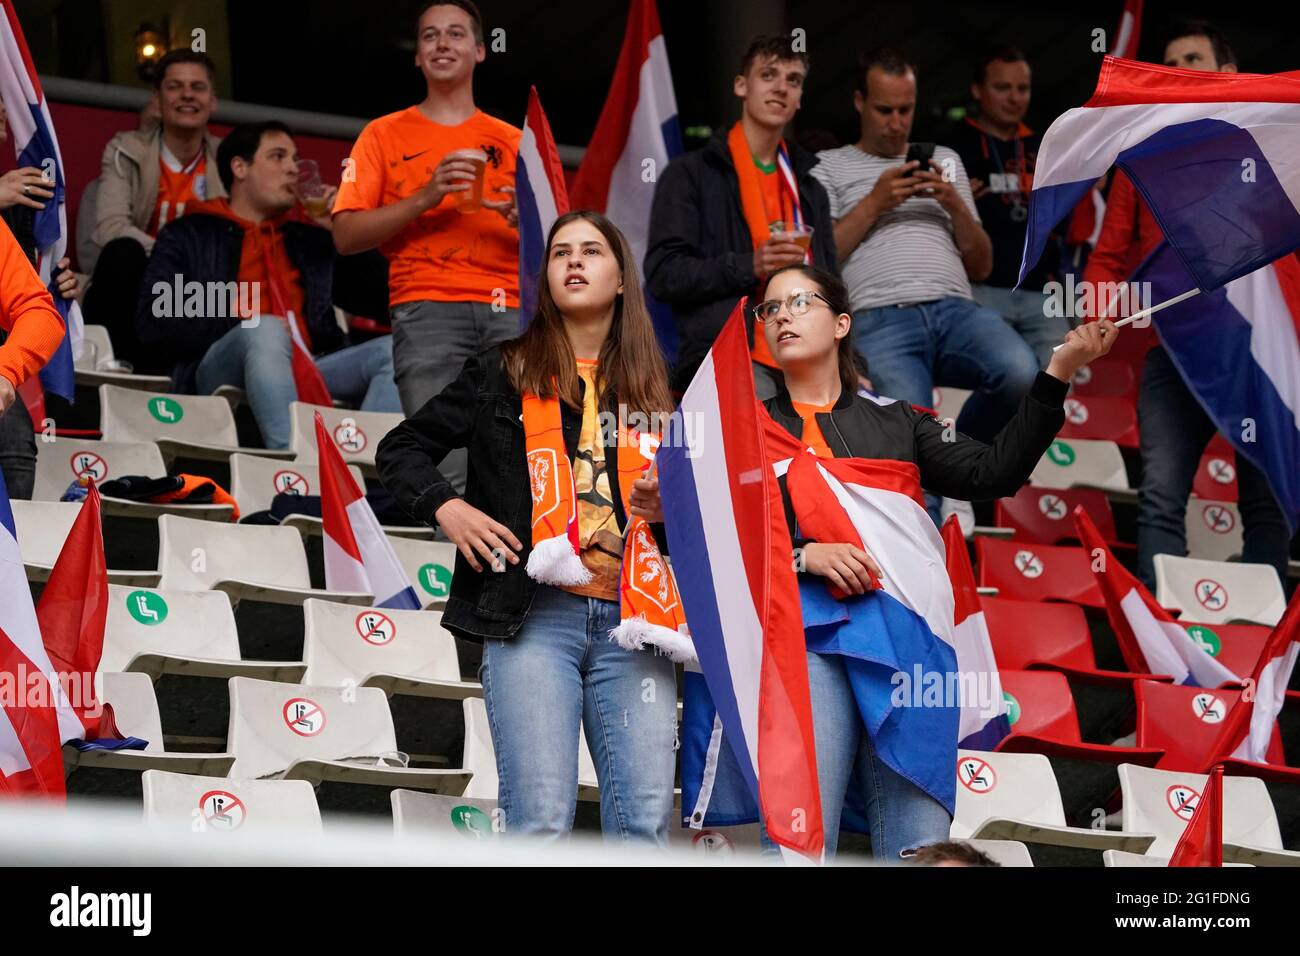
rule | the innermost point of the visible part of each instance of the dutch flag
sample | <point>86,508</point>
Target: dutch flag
<point>541,198</point>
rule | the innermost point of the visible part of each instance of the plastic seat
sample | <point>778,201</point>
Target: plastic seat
<point>1162,802</point>
<point>1038,572</point>
<point>429,813</point>
<point>1120,858</point>
<point>193,426</point>
<point>256,562</point>
<point>135,711</point>
<point>1216,473</point>
<point>480,756</point>
<point>1213,530</point>
<point>313,733</point>
<point>1046,515</point>
<point>428,566</point>
<point>1186,721</point>
<point>1004,852</point>
<point>89,371</point>
<point>1011,796</point>
<point>400,652</point>
<point>1217,592</point>
<point>42,527</point>
<point>1101,418</point>
<point>1236,646</point>
<point>356,434</point>
<point>229,808</point>
<point>1083,463</point>
<point>180,632</point>
<point>1044,720</point>
<point>1105,376</point>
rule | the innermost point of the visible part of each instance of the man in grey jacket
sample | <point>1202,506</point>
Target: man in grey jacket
<point>148,178</point>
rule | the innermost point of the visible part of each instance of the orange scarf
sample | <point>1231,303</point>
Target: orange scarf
<point>650,609</point>
<point>757,216</point>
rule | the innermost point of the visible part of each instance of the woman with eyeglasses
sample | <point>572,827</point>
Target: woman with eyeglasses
<point>805,317</point>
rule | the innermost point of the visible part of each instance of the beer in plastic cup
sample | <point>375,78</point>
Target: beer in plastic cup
<point>310,189</point>
<point>471,201</point>
<point>801,236</point>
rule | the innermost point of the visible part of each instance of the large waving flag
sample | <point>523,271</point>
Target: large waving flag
<point>636,136</point>
<point>358,556</point>
<point>1213,154</point>
<point>1238,350</point>
<point>31,130</point>
<point>1151,641</point>
<point>542,198</point>
<point>732,560</point>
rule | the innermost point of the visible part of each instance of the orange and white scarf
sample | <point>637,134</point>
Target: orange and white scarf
<point>650,609</point>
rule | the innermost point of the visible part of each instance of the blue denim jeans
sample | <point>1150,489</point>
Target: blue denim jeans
<point>900,814</point>
<point>257,358</point>
<point>1025,311</point>
<point>951,341</point>
<point>559,671</point>
<point>1174,431</point>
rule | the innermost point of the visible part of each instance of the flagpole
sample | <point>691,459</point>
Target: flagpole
<point>1152,310</point>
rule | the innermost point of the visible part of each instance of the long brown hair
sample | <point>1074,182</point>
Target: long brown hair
<point>631,366</point>
<point>837,297</point>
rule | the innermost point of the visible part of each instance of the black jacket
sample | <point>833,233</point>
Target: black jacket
<point>480,411</point>
<point>700,254</point>
<point>962,468</point>
<point>206,249</point>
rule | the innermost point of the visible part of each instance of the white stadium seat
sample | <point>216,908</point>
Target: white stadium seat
<point>1122,858</point>
<point>1162,802</point>
<point>428,566</point>
<point>92,365</point>
<point>256,562</point>
<point>1083,463</point>
<point>135,711</point>
<point>180,632</point>
<point>224,808</point>
<point>400,652</point>
<point>356,434</point>
<point>194,426</point>
<point>307,732</point>
<point>1005,852</point>
<point>435,815</point>
<point>42,527</point>
<point>1219,592</point>
<point>1213,530</point>
<point>1008,796</point>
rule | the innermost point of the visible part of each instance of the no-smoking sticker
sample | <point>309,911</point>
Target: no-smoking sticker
<point>1052,507</point>
<point>1208,708</point>
<point>1212,595</point>
<point>1222,471</point>
<point>1218,519</point>
<point>1182,800</point>
<point>289,482</point>
<point>222,810</point>
<point>1076,413</point>
<point>1029,564</point>
<point>376,628</point>
<point>976,775</point>
<point>86,464</point>
<point>304,716</point>
<point>349,436</point>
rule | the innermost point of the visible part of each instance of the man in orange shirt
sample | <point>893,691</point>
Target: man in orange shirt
<point>453,271</point>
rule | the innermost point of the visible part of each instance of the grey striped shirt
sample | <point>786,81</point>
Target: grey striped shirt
<point>909,254</point>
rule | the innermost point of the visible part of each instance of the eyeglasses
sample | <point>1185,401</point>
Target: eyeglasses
<point>797,303</point>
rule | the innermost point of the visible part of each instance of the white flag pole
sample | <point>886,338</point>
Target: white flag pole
<point>1151,311</point>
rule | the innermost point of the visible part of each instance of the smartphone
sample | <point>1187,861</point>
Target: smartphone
<point>921,153</point>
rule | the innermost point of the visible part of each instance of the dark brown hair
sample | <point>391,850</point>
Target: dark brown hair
<point>999,53</point>
<point>951,851</point>
<point>772,45</point>
<point>470,8</point>
<point>631,366</point>
<point>183,56</point>
<point>888,59</point>
<point>837,297</point>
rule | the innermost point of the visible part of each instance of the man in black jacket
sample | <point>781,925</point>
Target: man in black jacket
<point>224,283</point>
<point>718,229</point>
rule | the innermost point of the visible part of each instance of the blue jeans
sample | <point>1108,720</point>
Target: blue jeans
<point>1025,311</point>
<point>1174,431</point>
<point>900,814</point>
<point>951,341</point>
<point>257,358</point>
<point>559,671</point>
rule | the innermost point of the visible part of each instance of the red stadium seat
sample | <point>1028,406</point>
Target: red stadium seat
<point>1106,376</point>
<point>1038,572</point>
<point>1102,417</point>
<point>1236,646</point>
<point>1044,721</point>
<point>1186,722</point>
<point>1045,515</point>
<point>1216,475</point>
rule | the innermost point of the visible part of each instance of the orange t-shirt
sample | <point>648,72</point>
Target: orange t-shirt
<point>444,255</point>
<point>178,186</point>
<point>812,433</point>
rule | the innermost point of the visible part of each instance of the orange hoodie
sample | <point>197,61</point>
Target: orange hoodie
<point>264,260</point>
<point>26,312</point>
